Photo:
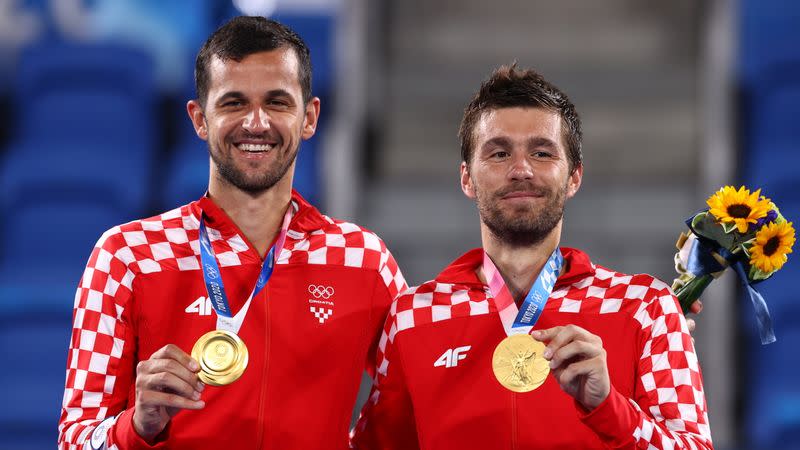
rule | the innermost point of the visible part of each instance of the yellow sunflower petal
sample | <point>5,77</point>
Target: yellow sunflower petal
<point>772,243</point>
<point>740,207</point>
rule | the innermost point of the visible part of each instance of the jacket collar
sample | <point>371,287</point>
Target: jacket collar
<point>306,218</point>
<point>463,270</point>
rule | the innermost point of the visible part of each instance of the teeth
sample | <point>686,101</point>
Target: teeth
<point>255,147</point>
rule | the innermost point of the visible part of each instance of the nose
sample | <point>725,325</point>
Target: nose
<point>257,120</point>
<point>521,168</point>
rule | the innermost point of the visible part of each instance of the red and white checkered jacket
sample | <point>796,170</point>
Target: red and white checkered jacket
<point>434,387</point>
<point>309,333</point>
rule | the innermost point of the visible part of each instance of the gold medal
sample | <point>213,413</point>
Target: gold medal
<point>222,357</point>
<point>518,363</point>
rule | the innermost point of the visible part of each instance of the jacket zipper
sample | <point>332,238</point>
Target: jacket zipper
<point>262,432</point>
<point>513,421</point>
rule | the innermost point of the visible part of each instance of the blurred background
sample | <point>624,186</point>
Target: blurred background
<point>677,98</point>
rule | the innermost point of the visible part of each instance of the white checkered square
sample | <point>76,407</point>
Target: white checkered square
<point>596,291</point>
<point>188,263</point>
<point>161,251</point>
<point>334,240</point>
<point>440,312</point>
<point>176,235</point>
<point>636,292</point>
<point>149,266</point>
<point>228,259</point>
<point>322,314</point>
<point>610,305</point>
<point>405,320</point>
<point>569,305</point>
<point>353,257</point>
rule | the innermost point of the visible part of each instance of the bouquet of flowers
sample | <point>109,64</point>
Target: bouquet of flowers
<point>742,230</point>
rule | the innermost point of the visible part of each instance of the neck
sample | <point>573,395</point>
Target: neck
<point>259,216</point>
<point>519,265</point>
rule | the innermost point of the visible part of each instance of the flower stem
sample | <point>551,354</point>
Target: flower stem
<point>692,290</point>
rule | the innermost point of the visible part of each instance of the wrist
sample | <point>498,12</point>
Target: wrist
<point>147,432</point>
<point>593,401</point>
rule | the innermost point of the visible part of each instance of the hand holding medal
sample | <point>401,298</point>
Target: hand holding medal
<point>578,363</point>
<point>165,384</point>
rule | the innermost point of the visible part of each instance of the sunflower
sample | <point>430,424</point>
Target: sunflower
<point>772,243</point>
<point>739,207</point>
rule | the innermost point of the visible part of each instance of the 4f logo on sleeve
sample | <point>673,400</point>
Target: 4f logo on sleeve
<point>201,306</point>
<point>452,356</point>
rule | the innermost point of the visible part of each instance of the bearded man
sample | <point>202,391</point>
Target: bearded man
<point>523,343</point>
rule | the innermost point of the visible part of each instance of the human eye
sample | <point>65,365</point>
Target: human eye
<point>278,103</point>
<point>542,154</point>
<point>231,103</point>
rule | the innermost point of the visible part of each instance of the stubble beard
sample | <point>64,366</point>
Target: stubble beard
<point>523,226</point>
<point>257,184</point>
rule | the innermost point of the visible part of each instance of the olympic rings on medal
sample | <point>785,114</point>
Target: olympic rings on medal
<point>325,292</point>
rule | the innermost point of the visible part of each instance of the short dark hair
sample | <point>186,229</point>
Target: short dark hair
<point>244,36</point>
<point>509,87</point>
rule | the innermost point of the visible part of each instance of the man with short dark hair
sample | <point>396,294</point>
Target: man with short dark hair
<point>244,319</point>
<point>522,343</point>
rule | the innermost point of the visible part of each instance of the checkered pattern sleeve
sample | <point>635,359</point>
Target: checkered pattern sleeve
<point>387,419</point>
<point>669,408</point>
<point>384,293</point>
<point>100,360</point>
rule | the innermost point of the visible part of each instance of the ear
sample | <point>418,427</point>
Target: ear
<point>198,118</point>
<point>310,121</point>
<point>574,181</point>
<point>466,181</point>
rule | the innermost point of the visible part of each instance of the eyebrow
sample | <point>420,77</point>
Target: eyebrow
<point>534,142</point>
<point>499,141</point>
<point>238,95</point>
<point>538,142</point>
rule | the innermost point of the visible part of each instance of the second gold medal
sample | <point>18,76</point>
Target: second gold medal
<point>222,356</point>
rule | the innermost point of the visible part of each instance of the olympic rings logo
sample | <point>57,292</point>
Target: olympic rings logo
<point>211,272</point>
<point>325,292</point>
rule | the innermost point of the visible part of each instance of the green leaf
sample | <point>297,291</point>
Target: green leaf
<point>756,274</point>
<point>706,226</point>
<point>729,227</point>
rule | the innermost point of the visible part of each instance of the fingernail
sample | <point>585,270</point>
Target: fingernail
<point>201,404</point>
<point>537,334</point>
<point>548,353</point>
<point>200,386</point>
<point>196,395</point>
<point>193,365</point>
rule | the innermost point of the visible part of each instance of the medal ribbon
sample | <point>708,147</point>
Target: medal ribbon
<point>213,277</point>
<point>521,320</point>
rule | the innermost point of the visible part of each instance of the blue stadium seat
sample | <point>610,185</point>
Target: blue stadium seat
<point>86,109</point>
<point>769,33</point>
<point>80,161</point>
<point>46,244</point>
<point>317,31</point>
<point>771,135</point>
<point>34,347</point>
<point>772,414</point>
